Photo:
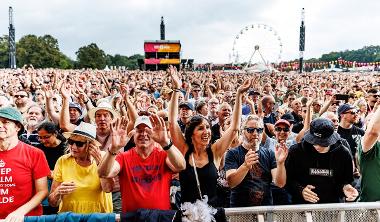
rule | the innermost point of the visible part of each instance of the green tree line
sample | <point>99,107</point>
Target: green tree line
<point>44,52</point>
<point>365,54</point>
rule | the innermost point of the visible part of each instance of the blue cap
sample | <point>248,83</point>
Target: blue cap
<point>187,105</point>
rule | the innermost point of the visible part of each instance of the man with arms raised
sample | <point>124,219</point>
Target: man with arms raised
<point>145,171</point>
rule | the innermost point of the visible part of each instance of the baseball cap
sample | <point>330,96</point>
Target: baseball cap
<point>344,108</point>
<point>187,105</point>
<point>143,120</point>
<point>282,121</point>
<point>76,106</point>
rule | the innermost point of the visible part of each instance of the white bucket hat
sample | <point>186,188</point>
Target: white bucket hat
<point>102,106</point>
<point>84,129</point>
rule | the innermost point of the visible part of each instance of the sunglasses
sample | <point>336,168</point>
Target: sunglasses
<point>352,112</point>
<point>279,129</point>
<point>20,96</point>
<point>77,143</point>
<point>252,130</point>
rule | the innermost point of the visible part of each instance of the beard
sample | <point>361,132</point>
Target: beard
<point>251,143</point>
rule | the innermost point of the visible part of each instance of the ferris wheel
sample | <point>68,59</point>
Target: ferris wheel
<point>256,44</point>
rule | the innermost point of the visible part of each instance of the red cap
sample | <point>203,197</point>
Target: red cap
<point>282,121</point>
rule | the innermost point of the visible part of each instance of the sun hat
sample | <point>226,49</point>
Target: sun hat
<point>13,114</point>
<point>84,129</point>
<point>104,105</point>
<point>321,133</point>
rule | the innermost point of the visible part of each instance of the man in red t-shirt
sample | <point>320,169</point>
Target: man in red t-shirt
<point>145,170</point>
<point>23,171</point>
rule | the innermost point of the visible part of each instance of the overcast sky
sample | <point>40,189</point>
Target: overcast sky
<point>206,28</point>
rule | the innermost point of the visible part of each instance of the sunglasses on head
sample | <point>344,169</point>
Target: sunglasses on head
<point>252,130</point>
<point>77,143</point>
<point>278,129</point>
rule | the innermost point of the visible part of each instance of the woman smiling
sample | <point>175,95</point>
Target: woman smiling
<point>76,185</point>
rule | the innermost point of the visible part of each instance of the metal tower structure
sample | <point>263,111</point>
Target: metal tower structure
<point>12,41</point>
<point>302,39</point>
<point>162,28</point>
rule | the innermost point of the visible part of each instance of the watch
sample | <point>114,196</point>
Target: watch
<point>167,147</point>
<point>113,154</point>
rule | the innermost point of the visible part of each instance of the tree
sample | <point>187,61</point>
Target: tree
<point>121,60</point>
<point>42,52</point>
<point>4,56</point>
<point>91,56</point>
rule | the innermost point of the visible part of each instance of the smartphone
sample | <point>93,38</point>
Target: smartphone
<point>341,97</point>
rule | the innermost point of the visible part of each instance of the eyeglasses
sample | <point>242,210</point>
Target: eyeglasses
<point>20,96</point>
<point>376,96</point>
<point>353,112</point>
<point>77,143</point>
<point>44,137</point>
<point>252,130</point>
<point>196,90</point>
<point>278,129</point>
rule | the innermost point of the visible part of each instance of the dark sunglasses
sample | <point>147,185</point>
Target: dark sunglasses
<point>252,130</point>
<point>278,129</point>
<point>353,112</point>
<point>77,143</point>
<point>376,96</point>
<point>20,96</point>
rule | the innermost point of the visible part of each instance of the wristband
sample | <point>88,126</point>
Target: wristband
<point>167,147</point>
<point>113,154</point>
<point>177,90</point>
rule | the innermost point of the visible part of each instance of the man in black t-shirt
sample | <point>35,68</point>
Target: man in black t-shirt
<point>347,130</point>
<point>250,167</point>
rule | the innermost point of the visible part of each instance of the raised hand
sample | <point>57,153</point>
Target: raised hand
<point>309,195</point>
<point>174,76</point>
<point>48,91</point>
<point>94,151</point>
<point>65,91</point>
<point>245,86</point>
<point>159,132</point>
<point>119,134</point>
<point>281,152</point>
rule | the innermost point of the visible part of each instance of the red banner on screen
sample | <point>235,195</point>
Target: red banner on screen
<point>162,47</point>
<point>152,61</point>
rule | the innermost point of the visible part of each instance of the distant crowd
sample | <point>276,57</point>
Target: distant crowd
<point>95,141</point>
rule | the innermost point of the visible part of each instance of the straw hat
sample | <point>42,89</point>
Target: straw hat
<point>102,106</point>
<point>86,130</point>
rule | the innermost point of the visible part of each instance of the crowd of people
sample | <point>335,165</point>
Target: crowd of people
<point>94,141</point>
